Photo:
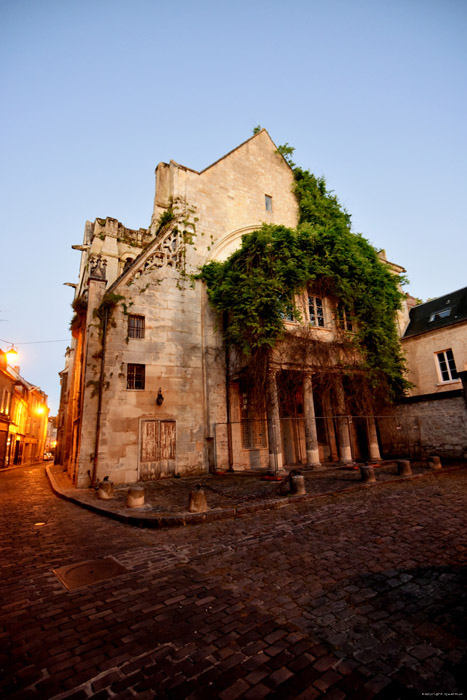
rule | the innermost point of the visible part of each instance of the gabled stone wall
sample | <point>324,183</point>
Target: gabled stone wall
<point>182,349</point>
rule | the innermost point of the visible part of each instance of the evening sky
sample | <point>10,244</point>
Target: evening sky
<point>371,93</point>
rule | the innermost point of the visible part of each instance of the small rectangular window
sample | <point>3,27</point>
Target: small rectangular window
<point>316,311</point>
<point>447,365</point>
<point>135,326</point>
<point>135,377</point>
<point>268,202</point>
<point>437,315</point>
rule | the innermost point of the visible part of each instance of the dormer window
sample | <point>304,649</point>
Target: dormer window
<point>437,315</point>
<point>268,202</point>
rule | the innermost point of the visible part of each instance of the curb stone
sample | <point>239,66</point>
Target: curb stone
<point>156,520</point>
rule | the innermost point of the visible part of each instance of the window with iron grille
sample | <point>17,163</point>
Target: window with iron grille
<point>135,326</point>
<point>447,365</point>
<point>268,202</point>
<point>316,311</point>
<point>135,377</point>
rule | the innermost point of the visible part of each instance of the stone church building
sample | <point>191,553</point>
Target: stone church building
<point>148,390</point>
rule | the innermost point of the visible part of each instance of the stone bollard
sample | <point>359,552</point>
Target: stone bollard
<point>135,498</point>
<point>297,485</point>
<point>404,467</point>
<point>197,501</point>
<point>105,490</point>
<point>435,463</point>
<point>367,474</point>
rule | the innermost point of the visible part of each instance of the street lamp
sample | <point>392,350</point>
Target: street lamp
<point>12,355</point>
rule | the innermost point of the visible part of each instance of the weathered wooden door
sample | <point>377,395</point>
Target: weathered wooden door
<point>157,449</point>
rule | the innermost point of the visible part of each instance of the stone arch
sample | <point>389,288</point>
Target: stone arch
<point>229,243</point>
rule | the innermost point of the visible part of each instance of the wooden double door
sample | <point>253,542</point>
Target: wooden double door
<point>157,448</point>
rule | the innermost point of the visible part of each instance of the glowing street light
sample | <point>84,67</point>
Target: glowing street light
<point>12,355</point>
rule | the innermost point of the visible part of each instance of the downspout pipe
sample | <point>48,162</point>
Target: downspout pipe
<point>99,400</point>
<point>227,396</point>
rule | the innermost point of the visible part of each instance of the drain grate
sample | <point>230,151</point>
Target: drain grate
<point>88,572</point>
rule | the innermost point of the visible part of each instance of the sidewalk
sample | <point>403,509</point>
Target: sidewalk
<point>228,495</point>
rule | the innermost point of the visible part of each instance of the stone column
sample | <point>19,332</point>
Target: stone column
<point>274,424</point>
<point>311,435</point>
<point>345,449</point>
<point>373,445</point>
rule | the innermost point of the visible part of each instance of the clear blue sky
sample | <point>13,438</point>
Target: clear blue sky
<point>371,93</point>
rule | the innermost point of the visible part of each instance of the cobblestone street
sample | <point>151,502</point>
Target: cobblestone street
<point>356,595</point>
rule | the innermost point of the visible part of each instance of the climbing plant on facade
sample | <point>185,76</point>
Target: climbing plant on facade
<point>259,284</point>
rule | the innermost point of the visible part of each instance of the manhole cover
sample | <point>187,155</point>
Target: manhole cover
<point>87,572</point>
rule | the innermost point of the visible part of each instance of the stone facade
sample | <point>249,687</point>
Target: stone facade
<point>422,351</point>
<point>435,346</point>
<point>23,418</point>
<point>147,389</point>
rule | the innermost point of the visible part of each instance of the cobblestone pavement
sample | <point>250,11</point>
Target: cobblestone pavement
<point>357,595</point>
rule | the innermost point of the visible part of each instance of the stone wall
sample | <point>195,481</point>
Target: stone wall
<point>182,348</point>
<point>438,423</point>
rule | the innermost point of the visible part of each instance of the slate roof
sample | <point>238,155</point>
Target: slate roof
<point>438,313</point>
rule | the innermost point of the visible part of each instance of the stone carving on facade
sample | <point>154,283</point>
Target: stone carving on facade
<point>97,267</point>
<point>169,252</point>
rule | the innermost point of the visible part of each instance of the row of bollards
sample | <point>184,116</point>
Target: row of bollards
<point>404,469</point>
<point>197,498</point>
<point>135,495</point>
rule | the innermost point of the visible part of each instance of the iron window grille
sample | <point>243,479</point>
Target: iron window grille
<point>135,326</point>
<point>135,377</point>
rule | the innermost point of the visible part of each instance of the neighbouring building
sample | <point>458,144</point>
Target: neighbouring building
<point>147,390</point>
<point>23,418</point>
<point>51,436</point>
<point>435,344</point>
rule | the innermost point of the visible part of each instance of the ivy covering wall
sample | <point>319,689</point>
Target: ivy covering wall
<point>260,281</point>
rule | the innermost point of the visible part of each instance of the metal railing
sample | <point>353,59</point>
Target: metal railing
<point>245,444</point>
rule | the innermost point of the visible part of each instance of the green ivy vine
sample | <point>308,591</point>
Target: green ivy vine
<point>80,307</point>
<point>258,283</point>
<point>107,307</point>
